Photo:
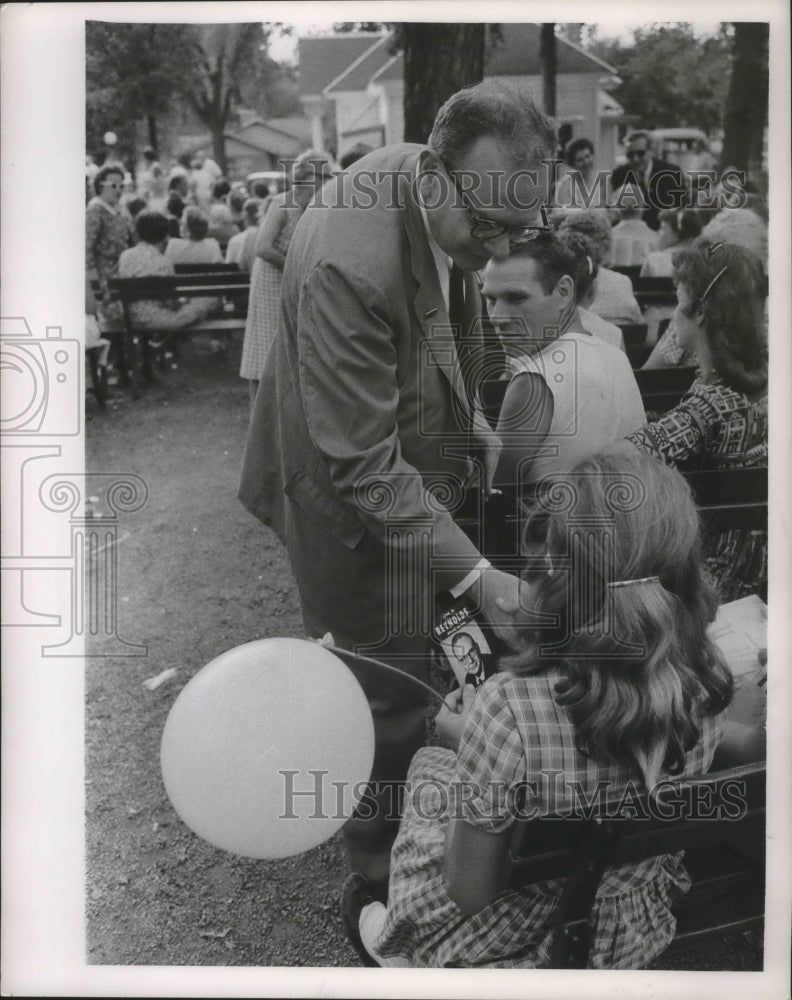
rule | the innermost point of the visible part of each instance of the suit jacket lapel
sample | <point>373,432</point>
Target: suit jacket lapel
<point>429,303</point>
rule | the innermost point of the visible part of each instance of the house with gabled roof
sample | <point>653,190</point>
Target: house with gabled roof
<point>253,144</point>
<point>352,86</point>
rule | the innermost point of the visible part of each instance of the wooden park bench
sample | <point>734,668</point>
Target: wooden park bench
<point>231,285</point>
<point>731,498</point>
<point>635,342</point>
<point>207,268</point>
<point>654,292</point>
<point>718,819</point>
<point>726,498</point>
<point>662,388</point>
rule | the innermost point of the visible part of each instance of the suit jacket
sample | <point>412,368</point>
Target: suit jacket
<point>359,433</point>
<point>666,187</point>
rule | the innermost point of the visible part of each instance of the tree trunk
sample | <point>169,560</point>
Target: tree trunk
<point>547,57</point>
<point>218,147</point>
<point>746,106</point>
<point>439,59</point>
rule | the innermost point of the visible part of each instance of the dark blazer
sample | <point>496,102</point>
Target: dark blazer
<point>666,187</point>
<point>358,439</point>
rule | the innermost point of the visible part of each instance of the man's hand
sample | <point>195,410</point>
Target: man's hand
<point>451,718</point>
<point>506,602</point>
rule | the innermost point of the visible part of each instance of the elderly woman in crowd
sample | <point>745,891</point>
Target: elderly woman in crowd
<point>107,235</point>
<point>241,249</point>
<point>147,259</point>
<point>613,296</point>
<point>721,422</point>
<point>222,225</point>
<point>272,243</point>
<point>195,246</point>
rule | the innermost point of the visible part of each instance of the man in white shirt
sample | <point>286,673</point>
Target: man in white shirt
<point>571,395</point>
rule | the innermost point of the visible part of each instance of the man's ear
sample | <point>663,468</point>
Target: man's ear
<point>428,160</point>
<point>429,167</point>
<point>565,288</point>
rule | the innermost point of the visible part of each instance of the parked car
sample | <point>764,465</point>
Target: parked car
<point>679,146</point>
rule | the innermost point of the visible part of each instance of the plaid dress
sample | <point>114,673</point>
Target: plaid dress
<point>716,427</point>
<point>515,732</point>
<point>264,306</point>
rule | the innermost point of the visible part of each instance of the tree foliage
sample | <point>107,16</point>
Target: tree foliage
<point>146,71</point>
<point>669,76</point>
<point>226,65</point>
<point>132,73</point>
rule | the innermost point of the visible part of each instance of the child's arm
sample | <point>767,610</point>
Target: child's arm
<point>474,864</point>
<point>474,860</point>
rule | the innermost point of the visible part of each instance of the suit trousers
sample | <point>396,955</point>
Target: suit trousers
<point>351,593</point>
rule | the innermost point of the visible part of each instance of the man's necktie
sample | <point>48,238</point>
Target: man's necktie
<point>456,313</point>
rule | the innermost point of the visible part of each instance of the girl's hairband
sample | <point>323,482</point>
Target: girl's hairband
<point>630,583</point>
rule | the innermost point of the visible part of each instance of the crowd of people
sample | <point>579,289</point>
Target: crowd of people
<point>370,331</point>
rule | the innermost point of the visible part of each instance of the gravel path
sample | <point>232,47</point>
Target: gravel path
<point>197,576</point>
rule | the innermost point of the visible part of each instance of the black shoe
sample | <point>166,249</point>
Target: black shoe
<point>356,894</point>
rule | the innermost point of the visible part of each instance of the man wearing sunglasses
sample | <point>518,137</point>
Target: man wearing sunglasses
<point>360,441</point>
<point>660,184</point>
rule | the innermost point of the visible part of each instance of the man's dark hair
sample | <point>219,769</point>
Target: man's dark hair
<point>221,189</point>
<point>495,111</point>
<point>353,154</point>
<point>553,259</point>
<point>176,182</point>
<point>175,205</point>
<point>641,133</point>
<point>236,201</point>
<point>152,227</point>
<point>586,266</point>
<point>103,174</point>
<point>136,206</point>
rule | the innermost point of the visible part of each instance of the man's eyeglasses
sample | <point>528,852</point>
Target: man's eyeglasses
<point>636,154</point>
<point>488,229</point>
<point>112,184</point>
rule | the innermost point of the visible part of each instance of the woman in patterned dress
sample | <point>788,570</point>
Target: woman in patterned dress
<point>721,422</point>
<point>272,243</point>
<point>107,235</point>
<point>561,729</point>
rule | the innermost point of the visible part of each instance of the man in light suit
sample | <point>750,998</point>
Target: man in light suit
<point>659,184</point>
<point>361,439</point>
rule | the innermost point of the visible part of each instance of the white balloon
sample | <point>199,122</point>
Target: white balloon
<point>267,749</point>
